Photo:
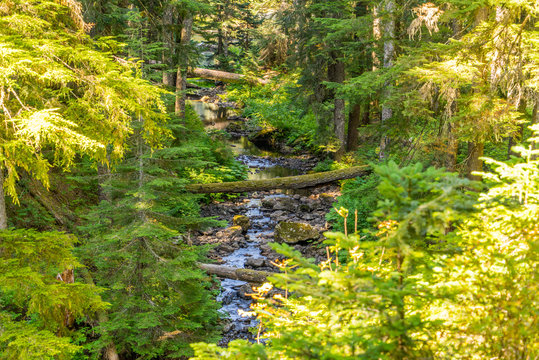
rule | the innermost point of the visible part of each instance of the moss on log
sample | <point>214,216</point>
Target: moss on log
<point>224,76</point>
<point>289,182</point>
<point>248,275</point>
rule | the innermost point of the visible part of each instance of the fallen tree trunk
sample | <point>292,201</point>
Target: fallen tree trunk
<point>223,76</point>
<point>248,275</point>
<point>289,182</point>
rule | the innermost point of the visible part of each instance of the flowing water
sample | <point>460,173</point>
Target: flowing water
<point>262,164</point>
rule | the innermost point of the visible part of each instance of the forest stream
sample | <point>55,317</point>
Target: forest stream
<point>264,210</point>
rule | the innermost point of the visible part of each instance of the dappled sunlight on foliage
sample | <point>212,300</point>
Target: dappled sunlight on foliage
<point>443,277</point>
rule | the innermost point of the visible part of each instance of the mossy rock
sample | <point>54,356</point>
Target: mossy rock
<point>294,232</point>
<point>235,126</point>
<point>242,221</point>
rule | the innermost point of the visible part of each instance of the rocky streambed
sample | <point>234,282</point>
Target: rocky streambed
<point>256,220</point>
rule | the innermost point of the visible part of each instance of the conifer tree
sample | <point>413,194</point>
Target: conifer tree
<point>58,90</point>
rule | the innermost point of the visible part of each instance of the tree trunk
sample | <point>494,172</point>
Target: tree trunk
<point>290,182</point>
<point>67,277</point>
<point>168,41</point>
<point>181,83</point>
<point>223,76</point>
<point>475,151</point>
<point>336,74</point>
<point>252,276</point>
<point>452,148</point>
<point>3,213</point>
<point>220,44</point>
<point>354,120</point>
<point>389,54</point>
<point>377,35</point>
<point>339,120</point>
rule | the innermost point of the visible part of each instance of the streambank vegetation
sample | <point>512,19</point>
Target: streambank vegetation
<point>423,115</point>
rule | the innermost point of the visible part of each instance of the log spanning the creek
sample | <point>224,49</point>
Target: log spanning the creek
<point>248,275</point>
<point>288,182</point>
<point>224,76</point>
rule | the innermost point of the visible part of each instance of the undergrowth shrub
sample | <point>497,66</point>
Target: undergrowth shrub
<point>357,194</point>
<point>278,106</point>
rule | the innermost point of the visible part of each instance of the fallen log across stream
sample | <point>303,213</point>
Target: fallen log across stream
<point>224,76</point>
<point>248,275</point>
<point>288,182</point>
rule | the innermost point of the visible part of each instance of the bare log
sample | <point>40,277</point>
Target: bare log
<point>289,182</point>
<point>223,76</point>
<point>248,275</point>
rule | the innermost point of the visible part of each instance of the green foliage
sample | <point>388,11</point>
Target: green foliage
<point>34,304</point>
<point>58,89</point>
<point>452,275</point>
<point>373,305</point>
<point>161,301</point>
<point>277,106</point>
<point>495,311</point>
<point>359,195</point>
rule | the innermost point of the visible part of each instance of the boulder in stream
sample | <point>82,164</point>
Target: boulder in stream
<point>294,232</point>
<point>284,203</point>
<point>254,263</point>
<point>231,233</point>
<point>242,221</point>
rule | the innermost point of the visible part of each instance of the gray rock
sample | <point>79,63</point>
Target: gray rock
<point>308,216</point>
<point>268,203</point>
<point>255,263</point>
<point>244,290</point>
<point>286,204</point>
<point>294,232</point>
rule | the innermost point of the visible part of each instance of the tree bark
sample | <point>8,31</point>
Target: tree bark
<point>3,213</point>
<point>475,151</point>
<point>168,41</point>
<point>452,148</point>
<point>354,120</point>
<point>377,35</point>
<point>290,182</point>
<point>252,276</point>
<point>181,83</point>
<point>223,76</point>
<point>336,73</point>
<point>389,54</point>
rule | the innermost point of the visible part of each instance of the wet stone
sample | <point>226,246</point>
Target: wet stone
<point>244,292</point>
<point>254,263</point>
